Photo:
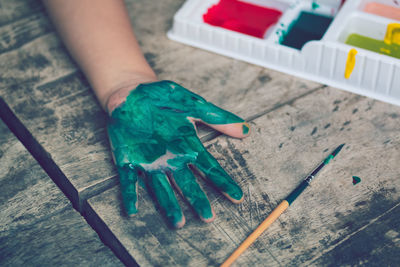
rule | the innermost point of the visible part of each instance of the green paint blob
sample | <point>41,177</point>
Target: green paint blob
<point>128,180</point>
<point>314,5</point>
<point>245,129</point>
<point>378,46</point>
<point>328,159</point>
<point>193,193</point>
<point>166,198</point>
<point>356,180</point>
<point>152,133</point>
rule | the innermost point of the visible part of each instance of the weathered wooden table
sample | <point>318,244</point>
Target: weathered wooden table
<point>295,123</point>
<point>38,225</point>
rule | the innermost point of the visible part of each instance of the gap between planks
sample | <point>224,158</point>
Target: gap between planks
<point>214,134</point>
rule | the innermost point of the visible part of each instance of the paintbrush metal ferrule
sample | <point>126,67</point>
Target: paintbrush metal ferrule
<point>309,178</point>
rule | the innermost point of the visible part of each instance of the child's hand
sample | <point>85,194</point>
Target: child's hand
<point>153,137</point>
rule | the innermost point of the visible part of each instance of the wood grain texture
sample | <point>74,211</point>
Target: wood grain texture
<point>14,35</point>
<point>332,222</point>
<point>296,123</point>
<point>12,10</point>
<point>41,84</point>
<point>377,244</point>
<point>38,226</point>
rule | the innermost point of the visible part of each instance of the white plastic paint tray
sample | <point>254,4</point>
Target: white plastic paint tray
<point>324,61</point>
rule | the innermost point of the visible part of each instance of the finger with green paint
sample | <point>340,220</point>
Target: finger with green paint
<point>154,139</point>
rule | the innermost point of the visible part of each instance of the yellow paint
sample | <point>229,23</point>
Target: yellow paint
<point>384,50</point>
<point>392,35</point>
<point>259,230</point>
<point>350,63</point>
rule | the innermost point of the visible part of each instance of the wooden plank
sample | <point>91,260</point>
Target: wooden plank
<point>22,31</point>
<point>39,62</point>
<point>37,222</point>
<point>41,84</point>
<point>12,10</point>
<point>331,216</point>
<point>378,244</point>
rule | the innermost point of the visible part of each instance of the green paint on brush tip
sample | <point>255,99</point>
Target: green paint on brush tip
<point>356,180</point>
<point>245,129</point>
<point>152,134</point>
<point>328,159</point>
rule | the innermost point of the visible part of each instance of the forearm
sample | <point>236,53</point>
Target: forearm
<point>99,36</point>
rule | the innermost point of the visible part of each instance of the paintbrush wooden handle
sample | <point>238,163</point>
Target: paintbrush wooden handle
<point>259,230</point>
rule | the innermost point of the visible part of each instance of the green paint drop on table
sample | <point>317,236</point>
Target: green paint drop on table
<point>314,5</point>
<point>377,46</point>
<point>307,27</point>
<point>356,180</point>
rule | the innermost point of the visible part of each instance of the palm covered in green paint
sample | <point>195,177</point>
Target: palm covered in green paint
<point>153,137</point>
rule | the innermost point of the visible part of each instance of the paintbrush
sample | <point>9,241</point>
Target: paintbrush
<point>280,209</point>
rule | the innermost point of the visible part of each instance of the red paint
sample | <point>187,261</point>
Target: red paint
<point>242,17</point>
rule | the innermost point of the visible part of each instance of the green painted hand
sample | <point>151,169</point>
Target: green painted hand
<point>153,137</point>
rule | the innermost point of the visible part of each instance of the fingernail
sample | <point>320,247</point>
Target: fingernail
<point>205,212</point>
<point>236,193</point>
<point>180,223</point>
<point>236,196</point>
<point>176,218</point>
<point>208,220</point>
<point>245,128</point>
<point>131,209</point>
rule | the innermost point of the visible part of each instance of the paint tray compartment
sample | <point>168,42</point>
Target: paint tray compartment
<point>375,75</point>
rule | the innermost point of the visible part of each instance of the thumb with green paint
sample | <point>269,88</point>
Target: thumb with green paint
<point>154,140</point>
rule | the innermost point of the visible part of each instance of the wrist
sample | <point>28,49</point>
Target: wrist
<point>119,93</point>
